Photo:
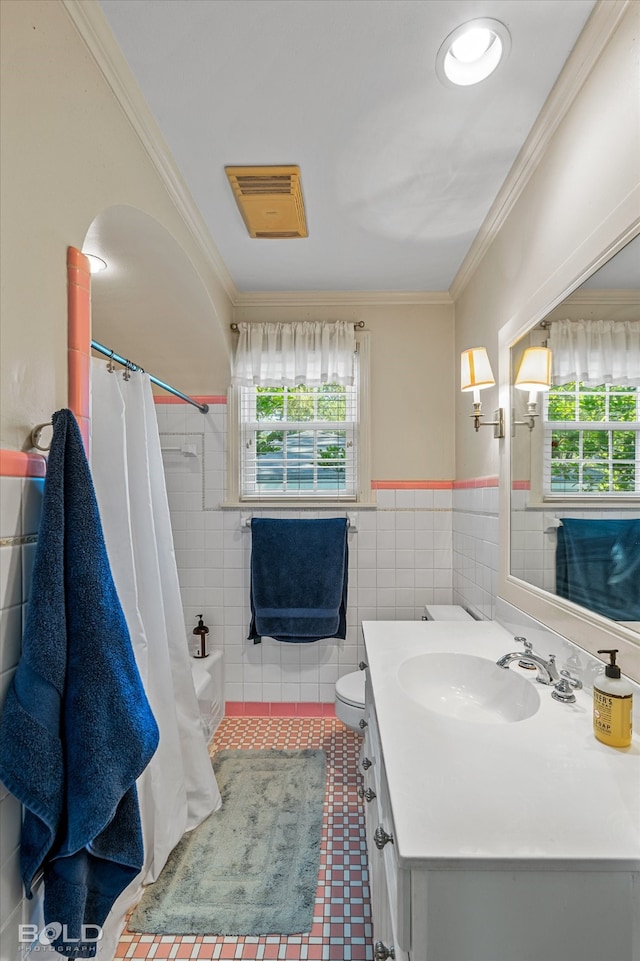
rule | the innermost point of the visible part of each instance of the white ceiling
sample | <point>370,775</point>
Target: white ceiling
<point>398,171</point>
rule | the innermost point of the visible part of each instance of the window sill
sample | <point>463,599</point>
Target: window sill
<point>584,502</point>
<point>292,505</point>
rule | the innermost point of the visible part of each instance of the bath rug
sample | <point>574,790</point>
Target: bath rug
<point>252,867</point>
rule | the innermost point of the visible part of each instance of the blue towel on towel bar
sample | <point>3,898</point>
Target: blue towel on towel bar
<point>76,728</point>
<point>299,573</point>
<point>598,565</point>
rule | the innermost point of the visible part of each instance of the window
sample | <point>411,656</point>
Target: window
<point>592,441</point>
<point>299,441</point>
<point>302,444</point>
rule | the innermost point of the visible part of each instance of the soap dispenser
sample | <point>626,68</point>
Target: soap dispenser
<point>612,703</point>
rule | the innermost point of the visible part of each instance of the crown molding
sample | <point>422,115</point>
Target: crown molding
<point>94,30</point>
<point>340,298</point>
<point>595,36</point>
<point>619,297</point>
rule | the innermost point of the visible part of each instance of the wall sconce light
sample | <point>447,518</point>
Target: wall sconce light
<point>534,374</point>
<point>475,375</point>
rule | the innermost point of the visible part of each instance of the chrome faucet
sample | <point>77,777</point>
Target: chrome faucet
<point>547,670</point>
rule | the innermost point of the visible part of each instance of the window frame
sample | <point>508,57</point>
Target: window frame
<point>363,494</point>
<point>540,455</point>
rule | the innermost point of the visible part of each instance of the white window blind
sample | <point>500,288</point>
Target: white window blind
<point>299,442</point>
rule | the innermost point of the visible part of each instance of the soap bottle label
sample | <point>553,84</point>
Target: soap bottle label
<point>612,718</point>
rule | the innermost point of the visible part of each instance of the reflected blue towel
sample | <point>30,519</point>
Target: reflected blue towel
<point>598,566</point>
<point>299,573</point>
<point>76,727</point>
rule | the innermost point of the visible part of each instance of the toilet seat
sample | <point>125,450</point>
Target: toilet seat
<point>350,689</point>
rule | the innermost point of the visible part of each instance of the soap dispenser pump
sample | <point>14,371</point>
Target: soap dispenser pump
<point>612,704</point>
<point>202,630</point>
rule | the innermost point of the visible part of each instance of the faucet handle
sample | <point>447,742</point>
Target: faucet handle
<point>570,679</point>
<point>528,646</point>
<point>564,688</point>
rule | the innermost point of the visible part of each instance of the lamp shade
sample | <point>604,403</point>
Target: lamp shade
<point>475,369</point>
<point>534,372</point>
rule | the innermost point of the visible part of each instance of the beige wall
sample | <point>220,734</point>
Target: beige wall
<point>412,382</point>
<point>70,156</point>
<point>557,227</point>
<point>68,153</point>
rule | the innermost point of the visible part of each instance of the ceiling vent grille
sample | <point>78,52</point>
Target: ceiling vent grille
<point>270,200</point>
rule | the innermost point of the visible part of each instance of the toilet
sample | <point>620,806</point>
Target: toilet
<point>350,687</point>
<point>350,699</point>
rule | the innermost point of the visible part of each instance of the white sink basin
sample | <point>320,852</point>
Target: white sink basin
<point>468,688</point>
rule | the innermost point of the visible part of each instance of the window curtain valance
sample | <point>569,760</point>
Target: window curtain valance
<point>307,352</point>
<point>596,352</point>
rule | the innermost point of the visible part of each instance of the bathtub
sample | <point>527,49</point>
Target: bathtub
<point>208,680</point>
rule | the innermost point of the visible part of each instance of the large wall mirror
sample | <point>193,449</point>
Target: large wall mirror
<point>574,477</point>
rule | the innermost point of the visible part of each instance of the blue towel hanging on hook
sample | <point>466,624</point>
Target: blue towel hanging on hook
<point>299,578</point>
<point>76,729</point>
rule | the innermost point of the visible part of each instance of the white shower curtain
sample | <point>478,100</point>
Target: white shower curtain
<point>178,789</point>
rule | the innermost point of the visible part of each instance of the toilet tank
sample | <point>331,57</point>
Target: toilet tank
<point>445,612</point>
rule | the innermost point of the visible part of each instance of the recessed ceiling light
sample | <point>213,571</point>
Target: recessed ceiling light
<point>96,264</point>
<point>472,52</point>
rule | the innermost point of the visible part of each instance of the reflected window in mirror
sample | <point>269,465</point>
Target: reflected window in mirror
<point>591,440</point>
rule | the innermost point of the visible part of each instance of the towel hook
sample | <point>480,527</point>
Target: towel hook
<point>36,434</point>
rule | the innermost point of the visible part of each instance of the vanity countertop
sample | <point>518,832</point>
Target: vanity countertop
<point>538,794</point>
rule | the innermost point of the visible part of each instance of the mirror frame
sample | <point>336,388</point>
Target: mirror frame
<point>585,628</point>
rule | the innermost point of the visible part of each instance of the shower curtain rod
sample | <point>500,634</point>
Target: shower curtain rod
<point>129,364</point>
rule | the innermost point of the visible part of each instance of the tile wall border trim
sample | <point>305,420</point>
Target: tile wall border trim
<point>400,485</point>
<point>491,480</point>
<point>18,540</point>
<point>279,709</point>
<point>79,341</point>
<point>16,463</point>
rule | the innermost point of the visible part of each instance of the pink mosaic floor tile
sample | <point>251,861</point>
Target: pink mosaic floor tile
<point>341,928</point>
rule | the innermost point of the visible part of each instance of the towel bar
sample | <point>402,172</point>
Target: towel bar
<point>352,521</point>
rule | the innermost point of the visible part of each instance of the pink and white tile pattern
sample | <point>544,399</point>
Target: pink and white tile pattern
<point>341,929</point>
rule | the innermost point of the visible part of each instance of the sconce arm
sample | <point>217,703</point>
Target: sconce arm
<point>532,412</point>
<point>497,424</point>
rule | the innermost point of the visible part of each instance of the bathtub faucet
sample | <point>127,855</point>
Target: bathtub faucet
<point>547,670</point>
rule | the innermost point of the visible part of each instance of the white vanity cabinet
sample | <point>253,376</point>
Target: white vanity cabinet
<point>513,842</point>
<point>387,885</point>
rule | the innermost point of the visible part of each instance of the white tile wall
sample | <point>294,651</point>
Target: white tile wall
<point>20,501</point>
<point>400,559</point>
<point>419,547</point>
<point>533,537</point>
<point>475,549</point>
